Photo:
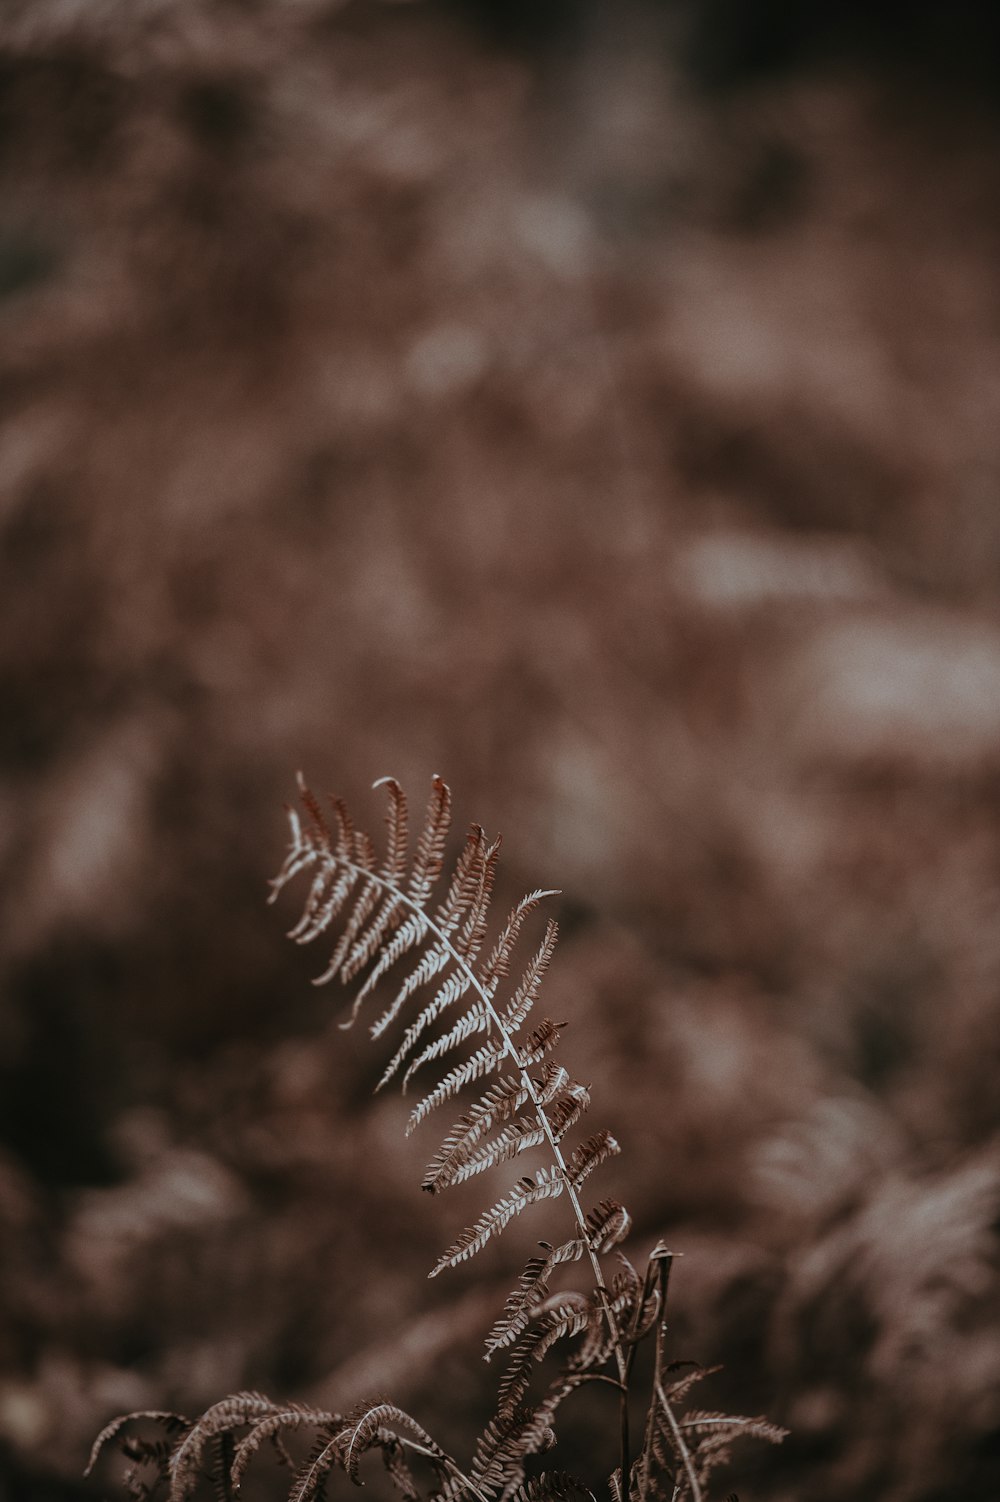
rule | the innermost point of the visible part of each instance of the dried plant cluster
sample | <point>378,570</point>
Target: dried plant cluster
<point>461,1016</point>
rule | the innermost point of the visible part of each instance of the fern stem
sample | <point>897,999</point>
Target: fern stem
<point>683,1451</point>
<point>626,1462</point>
<point>661,1260</point>
<point>510,1048</point>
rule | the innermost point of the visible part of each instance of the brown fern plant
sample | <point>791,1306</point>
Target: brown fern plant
<point>460,1021</point>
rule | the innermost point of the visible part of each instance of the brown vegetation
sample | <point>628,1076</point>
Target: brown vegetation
<point>374,397</point>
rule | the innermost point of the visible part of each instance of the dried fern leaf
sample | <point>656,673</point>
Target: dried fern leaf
<point>433,961</point>
<point>301,855</point>
<point>519,1137</point>
<point>676,1392</point>
<point>531,1291</point>
<point>565,1315</point>
<point>590,1155</point>
<point>173,1423</point>
<point>568,1109</point>
<point>516,1377</point>
<point>370,940</point>
<point>472,935</point>
<point>411,932</point>
<point>498,1446</point>
<point>497,967</point>
<point>539,1042</point>
<point>429,858</point>
<point>287,1416</point>
<point>496,1106</point>
<point>483,1061</point>
<point>547,1183</point>
<point>326,899</point>
<point>608,1224</point>
<point>526,995</point>
<point>387,918</point>
<point>222,1449</point>
<point>454,988</point>
<point>506,1442</point>
<point>627,1280</point>
<point>467,881</point>
<point>234,1412</point>
<point>364,905</point>
<point>372,1427</point>
<point>395,1462</point>
<point>721,1428</point>
<point>310,1479</point>
<point>477,1019</point>
<point>396,820</point>
<point>553,1486</point>
<point>598,1339</point>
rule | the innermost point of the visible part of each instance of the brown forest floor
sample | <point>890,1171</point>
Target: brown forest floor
<point>376,398</point>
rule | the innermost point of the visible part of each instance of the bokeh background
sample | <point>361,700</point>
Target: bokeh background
<point>596,403</point>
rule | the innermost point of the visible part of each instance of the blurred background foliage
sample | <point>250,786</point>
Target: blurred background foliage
<point>596,403</point>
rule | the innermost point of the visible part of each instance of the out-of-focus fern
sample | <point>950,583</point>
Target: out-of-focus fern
<point>462,1018</point>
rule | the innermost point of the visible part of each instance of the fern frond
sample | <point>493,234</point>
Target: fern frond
<point>473,932</point>
<point>516,1378</point>
<point>454,988</point>
<point>497,1105</point>
<point>234,1412</point>
<point>547,1183</point>
<point>429,858</point>
<point>539,1042</point>
<point>490,1056</point>
<point>477,1019</point>
<point>411,932</point>
<point>527,991</point>
<point>396,820</point>
<point>553,1486</point>
<point>386,917</point>
<point>568,1109</point>
<point>721,1428</point>
<point>676,1392</point>
<point>499,1452</point>
<point>222,1448</point>
<point>483,1061</point>
<point>443,992</point>
<point>173,1423</point>
<point>597,1344</point>
<point>563,1316</point>
<point>364,905</point>
<point>301,855</point>
<point>287,1416</point>
<point>394,1460</point>
<point>310,1479</point>
<point>497,967</point>
<point>590,1155</point>
<point>372,1426</point>
<point>435,959</point>
<point>327,896</point>
<point>467,880</point>
<point>519,1137</point>
<point>531,1291</point>
<point>608,1224</point>
<point>369,941</point>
